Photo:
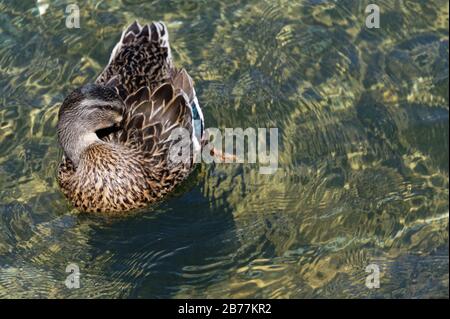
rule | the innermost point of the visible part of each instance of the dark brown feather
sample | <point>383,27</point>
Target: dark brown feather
<point>132,169</point>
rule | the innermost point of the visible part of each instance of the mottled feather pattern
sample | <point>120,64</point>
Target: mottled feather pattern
<point>130,168</point>
<point>141,58</point>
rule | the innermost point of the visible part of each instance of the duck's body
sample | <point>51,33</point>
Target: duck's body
<point>121,161</point>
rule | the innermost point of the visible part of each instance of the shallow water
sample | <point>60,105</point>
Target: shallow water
<point>363,153</point>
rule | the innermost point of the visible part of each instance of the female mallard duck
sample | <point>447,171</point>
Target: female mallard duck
<point>116,133</point>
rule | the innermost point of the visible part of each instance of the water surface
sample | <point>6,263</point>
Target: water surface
<point>363,153</point>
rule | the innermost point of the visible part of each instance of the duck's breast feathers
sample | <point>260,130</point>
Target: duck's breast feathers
<point>142,57</point>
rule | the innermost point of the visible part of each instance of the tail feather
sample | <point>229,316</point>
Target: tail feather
<point>142,57</point>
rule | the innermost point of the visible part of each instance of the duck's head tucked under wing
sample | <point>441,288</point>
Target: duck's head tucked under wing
<point>84,115</point>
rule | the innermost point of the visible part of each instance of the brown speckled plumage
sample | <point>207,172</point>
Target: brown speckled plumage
<point>129,167</point>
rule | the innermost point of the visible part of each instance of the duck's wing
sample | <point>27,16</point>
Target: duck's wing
<point>181,80</point>
<point>141,58</point>
<point>154,121</point>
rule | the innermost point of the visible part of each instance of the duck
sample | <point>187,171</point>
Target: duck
<point>130,137</point>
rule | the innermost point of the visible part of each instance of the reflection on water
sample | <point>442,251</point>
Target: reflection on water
<point>363,160</point>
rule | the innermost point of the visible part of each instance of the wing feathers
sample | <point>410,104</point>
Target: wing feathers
<point>151,119</point>
<point>158,97</point>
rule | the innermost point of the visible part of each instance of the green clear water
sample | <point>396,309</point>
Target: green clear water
<point>363,158</point>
